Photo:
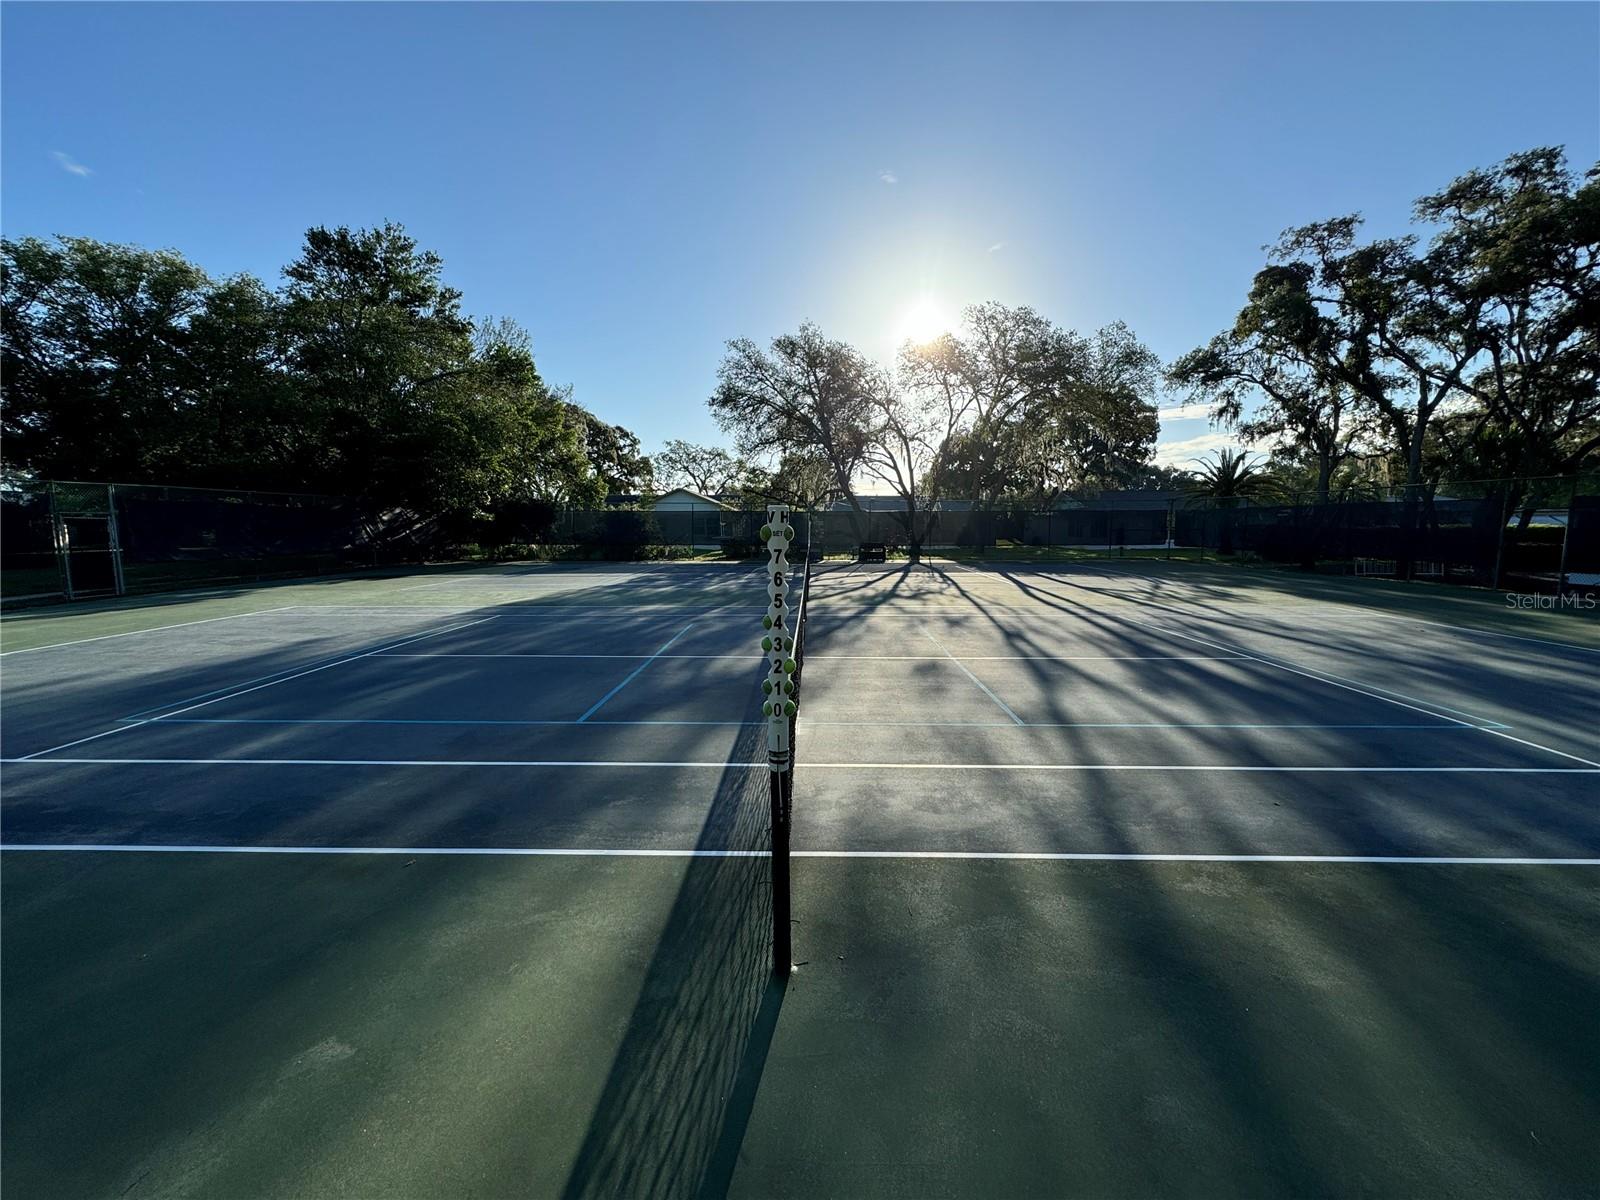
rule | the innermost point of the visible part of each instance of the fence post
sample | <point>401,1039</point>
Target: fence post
<point>114,541</point>
<point>1501,505</point>
<point>58,538</point>
<point>1566,536</point>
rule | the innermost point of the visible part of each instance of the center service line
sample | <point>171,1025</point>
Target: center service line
<point>634,674</point>
<point>1004,707</point>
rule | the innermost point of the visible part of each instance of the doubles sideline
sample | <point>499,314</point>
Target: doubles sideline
<point>1222,768</point>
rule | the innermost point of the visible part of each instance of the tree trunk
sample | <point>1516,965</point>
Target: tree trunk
<point>1408,518</point>
<point>1502,513</point>
<point>913,541</point>
<point>857,517</point>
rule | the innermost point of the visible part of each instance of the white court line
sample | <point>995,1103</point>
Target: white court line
<point>1024,657</point>
<point>271,682</point>
<point>457,574</point>
<point>565,724</point>
<point>1492,728</point>
<point>465,851</point>
<point>956,855</point>
<point>1394,616</point>
<point>875,657</point>
<point>748,656</point>
<point>542,606</point>
<point>1226,768</point>
<point>1092,856</point>
<point>1428,707</point>
<point>1452,727</point>
<point>634,674</point>
<point>1371,690</point>
<point>839,611</point>
<point>318,664</point>
<point>523,571</point>
<point>1499,733</point>
<point>152,629</point>
<point>383,762</point>
<point>1496,633</point>
<point>1004,707</point>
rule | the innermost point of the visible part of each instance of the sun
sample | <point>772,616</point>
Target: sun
<point>924,321</point>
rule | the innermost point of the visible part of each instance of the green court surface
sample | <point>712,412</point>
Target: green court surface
<point>1469,608</point>
<point>1134,881</point>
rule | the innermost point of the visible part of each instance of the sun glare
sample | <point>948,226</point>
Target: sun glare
<point>924,321</point>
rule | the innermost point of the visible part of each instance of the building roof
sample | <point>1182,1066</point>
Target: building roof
<point>688,494</point>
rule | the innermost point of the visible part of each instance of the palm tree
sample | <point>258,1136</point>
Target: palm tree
<point>1227,483</point>
<point>1232,478</point>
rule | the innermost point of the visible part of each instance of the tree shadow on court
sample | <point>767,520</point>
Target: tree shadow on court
<point>1442,936</point>
<point>50,700</point>
<point>1212,1028</point>
<point>1551,685</point>
<point>678,1097</point>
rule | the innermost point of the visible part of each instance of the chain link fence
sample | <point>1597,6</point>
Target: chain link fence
<point>960,526</point>
<point>1521,535</point>
<point>79,540</point>
<point>74,540</point>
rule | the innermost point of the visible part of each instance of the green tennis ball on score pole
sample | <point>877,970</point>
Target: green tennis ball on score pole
<point>766,622</point>
<point>766,644</point>
<point>766,532</point>
<point>789,666</point>
<point>788,708</point>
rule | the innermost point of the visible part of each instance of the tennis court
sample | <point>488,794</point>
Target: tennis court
<point>1110,879</point>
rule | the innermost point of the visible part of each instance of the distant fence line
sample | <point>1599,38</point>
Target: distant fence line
<point>1507,538</point>
<point>83,539</point>
<point>86,539</point>
<point>1481,541</point>
<point>80,539</point>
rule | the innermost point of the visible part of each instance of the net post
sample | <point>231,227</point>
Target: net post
<point>778,707</point>
<point>782,947</point>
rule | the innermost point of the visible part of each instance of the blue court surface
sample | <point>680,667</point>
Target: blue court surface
<point>1110,880</point>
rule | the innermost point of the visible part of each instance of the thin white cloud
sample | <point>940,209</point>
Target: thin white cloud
<point>68,164</point>
<point>888,177</point>
<point>997,246</point>
<point>1183,412</point>
<point>1183,453</point>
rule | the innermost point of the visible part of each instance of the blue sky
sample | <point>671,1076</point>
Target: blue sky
<point>638,183</point>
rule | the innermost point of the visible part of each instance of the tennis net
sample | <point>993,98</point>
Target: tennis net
<point>782,786</point>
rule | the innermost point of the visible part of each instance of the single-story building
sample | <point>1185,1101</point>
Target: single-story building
<point>686,517</point>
